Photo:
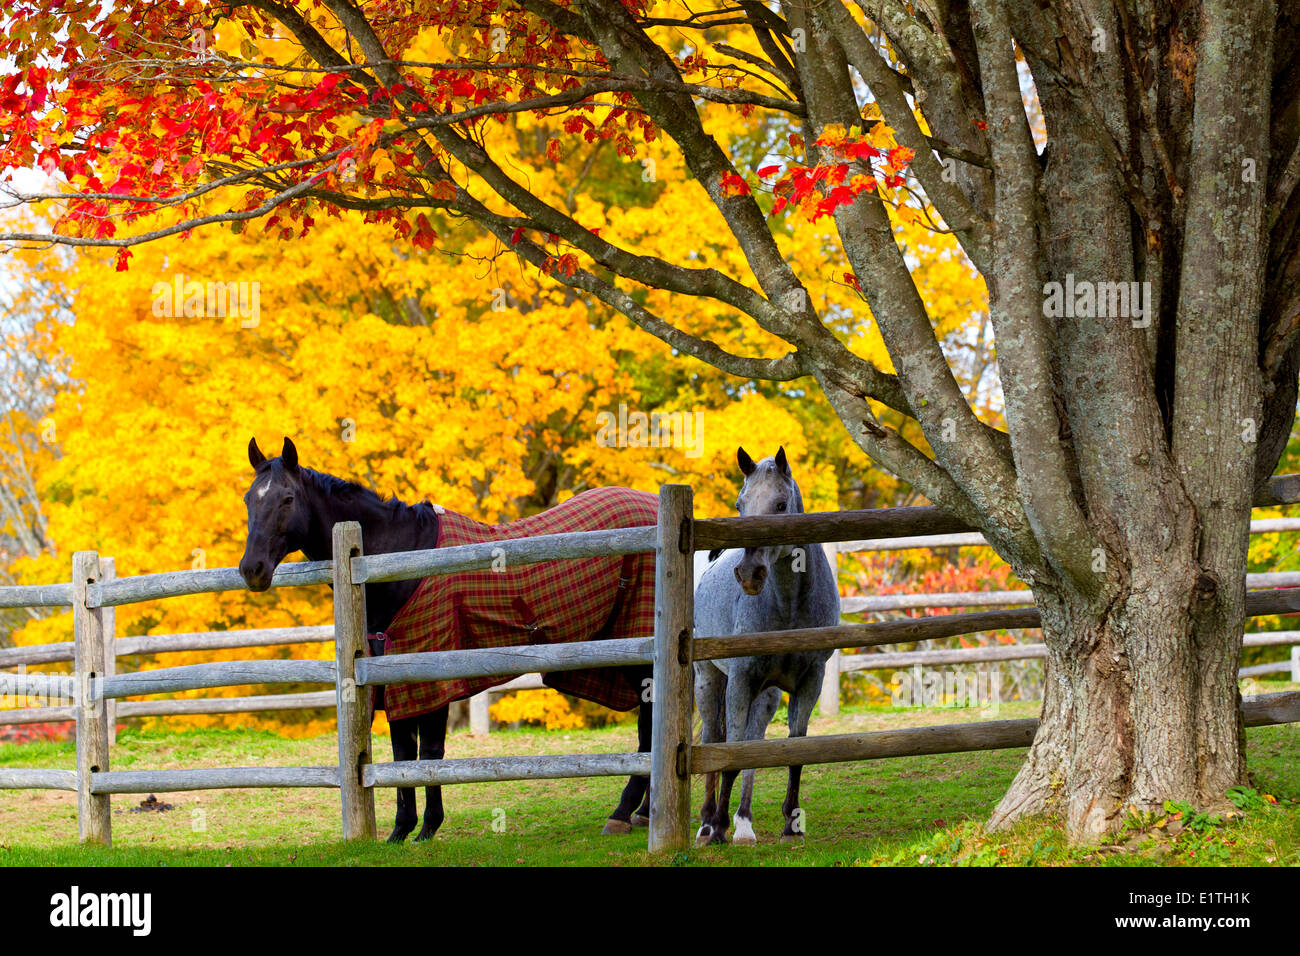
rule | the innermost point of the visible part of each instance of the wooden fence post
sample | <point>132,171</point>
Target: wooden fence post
<point>94,814</point>
<point>352,702</point>
<point>480,715</point>
<point>674,675</point>
<point>829,701</point>
<point>107,570</point>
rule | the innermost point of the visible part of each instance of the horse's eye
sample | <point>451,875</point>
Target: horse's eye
<point>289,500</point>
<point>780,506</point>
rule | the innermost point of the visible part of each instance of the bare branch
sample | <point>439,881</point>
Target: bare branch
<point>293,192</point>
<point>781,369</point>
<point>163,202</point>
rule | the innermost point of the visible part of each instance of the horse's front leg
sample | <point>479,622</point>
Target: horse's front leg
<point>760,715</point>
<point>403,734</point>
<point>740,698</point>
<point>636,795</point>
<point>433,743</point>
<point>801,705</point>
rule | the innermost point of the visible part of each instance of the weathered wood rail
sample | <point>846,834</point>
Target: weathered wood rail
<point>170,643</point>
<point>946,738</point>
<point>900,602</point>
<point>436,773</point>
<point>95,687</point>
<point>1024,652</point>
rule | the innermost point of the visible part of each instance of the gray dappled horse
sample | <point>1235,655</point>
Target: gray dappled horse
<point>760,589</point>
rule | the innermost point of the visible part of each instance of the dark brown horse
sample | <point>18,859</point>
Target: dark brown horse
<point>292,508</point>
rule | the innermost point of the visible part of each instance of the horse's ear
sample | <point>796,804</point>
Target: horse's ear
<point>255,456</point>
<point>289,456</point>
<point>782,465</point>
<point>746,463</point>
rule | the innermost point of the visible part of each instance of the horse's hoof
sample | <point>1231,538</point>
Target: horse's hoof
<point>792,838</point>
<point>424,834</point>
<point>743,833</point>
<point>399,834</point>
<point>616,827</point>
<point>702,837</point>
<point>640,820</point>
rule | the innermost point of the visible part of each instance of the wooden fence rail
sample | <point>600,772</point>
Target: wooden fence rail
<point>976,540</point>
<point>211,778</point>
<point>38,780</point>
<point>94,592</point>
<point>438,773</point>
<point>1024,652</point>
<point>38,715</point>
<point>36,595</point>
<point>901,602</point>
<point>153,587</point>
<point>497,661</point>
<point>945,738</point>
<point>170,643</point>
<point>172,680</point>
<point>405,565</point>
<point>179,708</point>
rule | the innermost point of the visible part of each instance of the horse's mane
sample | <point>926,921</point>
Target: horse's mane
<point>350,492</point>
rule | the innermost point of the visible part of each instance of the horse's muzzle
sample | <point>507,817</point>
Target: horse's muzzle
<point>752,582</point>
<point>256,575</point>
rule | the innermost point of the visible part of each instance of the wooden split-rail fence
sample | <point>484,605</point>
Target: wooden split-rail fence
<point>478,705</point>
<point>97,693</point>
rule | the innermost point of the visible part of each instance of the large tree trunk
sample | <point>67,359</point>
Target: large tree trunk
<point>1134,437</point>
<point>1139,707</point>
<point>1142,700</point>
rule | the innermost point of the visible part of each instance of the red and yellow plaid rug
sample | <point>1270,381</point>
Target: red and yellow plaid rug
<point>549,603</point>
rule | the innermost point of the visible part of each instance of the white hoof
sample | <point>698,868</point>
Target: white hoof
<point>703,836</point>
<point>743,835</point>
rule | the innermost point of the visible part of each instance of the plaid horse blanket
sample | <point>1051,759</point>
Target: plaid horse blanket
<point>547,603</point>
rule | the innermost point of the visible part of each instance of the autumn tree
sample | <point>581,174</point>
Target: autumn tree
<point>1140,266</point>
<point>31,372</point>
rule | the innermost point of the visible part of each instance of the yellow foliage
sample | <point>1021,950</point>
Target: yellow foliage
<point>546,707</point>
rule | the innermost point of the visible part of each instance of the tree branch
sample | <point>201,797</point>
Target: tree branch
<point>783,369</point>
<point>956,210</point>
<point>1025,342</point>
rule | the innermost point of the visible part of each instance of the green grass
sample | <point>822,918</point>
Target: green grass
<point>908,811</point>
